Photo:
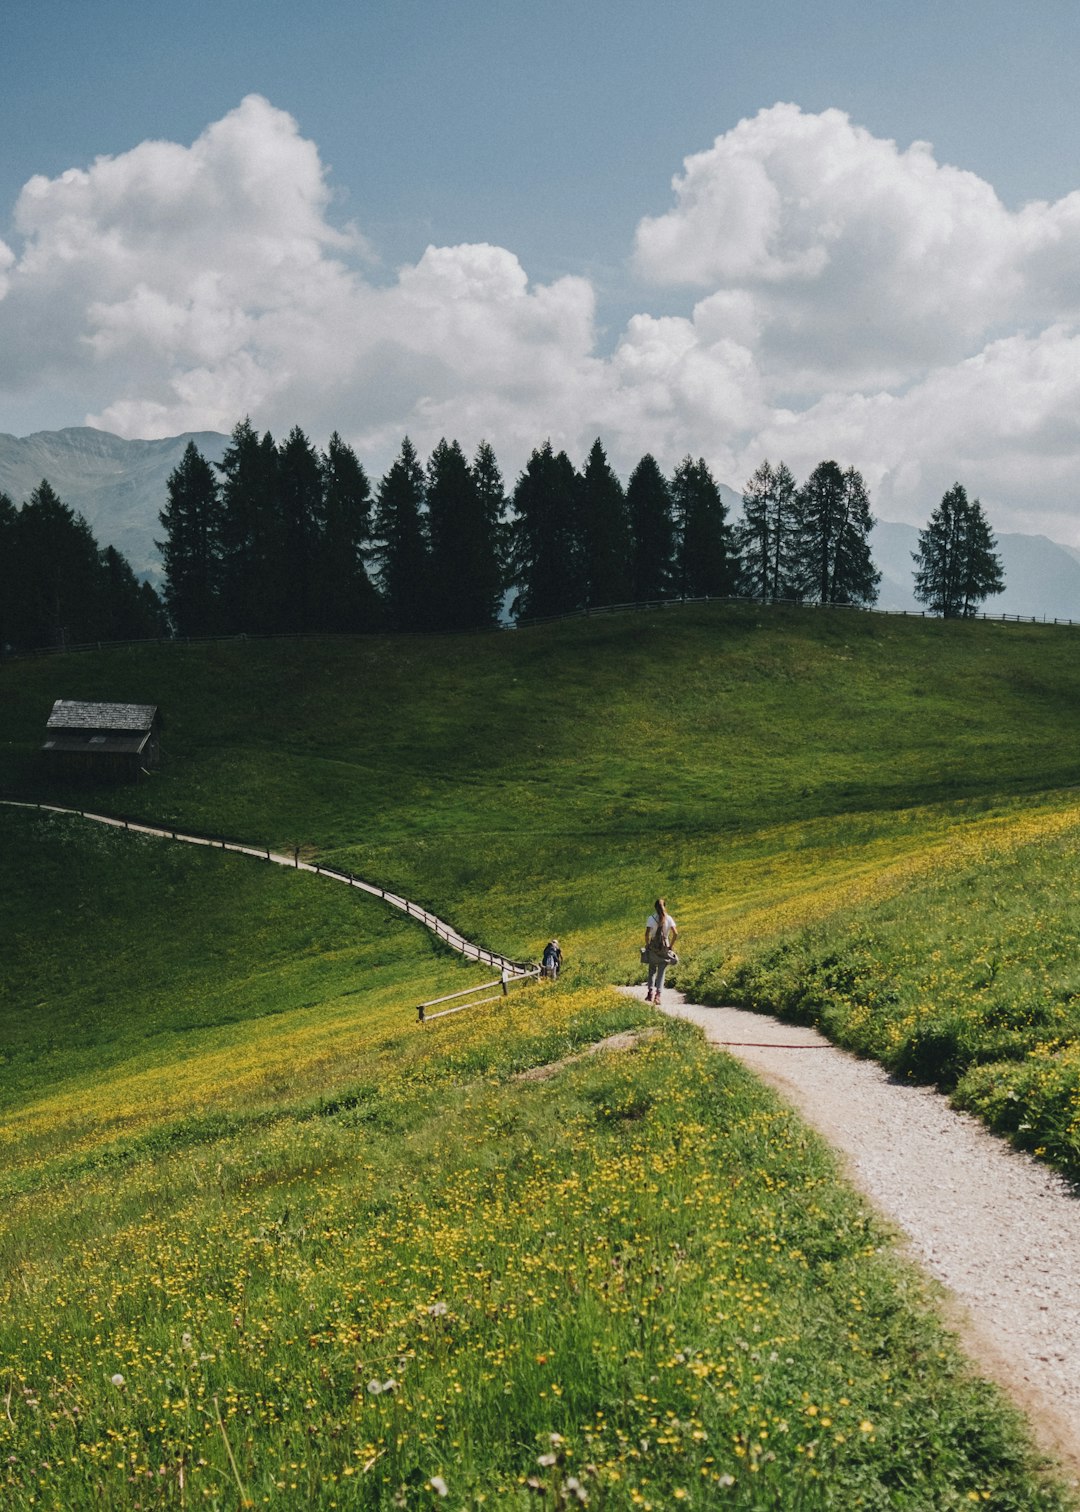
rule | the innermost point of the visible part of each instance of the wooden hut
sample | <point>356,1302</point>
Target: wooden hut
<point>103,741</point>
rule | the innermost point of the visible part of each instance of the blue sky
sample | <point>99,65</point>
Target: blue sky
<point>546,127</point>
<point>549,133</point>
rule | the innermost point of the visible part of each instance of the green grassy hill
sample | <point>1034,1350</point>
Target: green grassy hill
<point>585,764</point>
<point>240,1178</point>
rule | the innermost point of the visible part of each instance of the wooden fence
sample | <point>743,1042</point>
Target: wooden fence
<point>589,612</point>
<point>594,611</point>
<point>503,982</point>
<point>511,970</point>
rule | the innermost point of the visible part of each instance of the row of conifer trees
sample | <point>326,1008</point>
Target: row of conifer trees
<point>282,537</point>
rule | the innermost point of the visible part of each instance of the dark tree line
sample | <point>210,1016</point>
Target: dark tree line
<point>278,537</point>
<point>59,588</point>
<point>271,538</point>
<point>580,540</point>
<point>281,537</point>
<point>285,538</point>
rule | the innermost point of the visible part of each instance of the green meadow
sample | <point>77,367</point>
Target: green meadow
<point>267,1242</point>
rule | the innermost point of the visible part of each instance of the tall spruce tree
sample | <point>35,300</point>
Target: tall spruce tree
<point>983,572</point>
<point>59,589</point>
<point>652,528</point>
<point>466,579</point>
<point>153,611</point>
<point>706,558</point>
<point>347,597</point>
<point>252,557</point>
<point>130,610</point>
<point>769,535</point>
<point>401,545</point>
<point>605,532</point>
<point>191,550</point>
<point>546,554</point>
<point>956,565</point>
<point>9,524</point>
<point>834,537</point>
<point>494,507</point>
<point>300,508</point>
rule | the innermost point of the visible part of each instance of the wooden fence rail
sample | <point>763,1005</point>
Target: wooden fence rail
<point>590,611</point>
<point>512,970</point>
<point>503,982</point>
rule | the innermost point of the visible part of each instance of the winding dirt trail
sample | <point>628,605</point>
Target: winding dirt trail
<point>999,1230</point>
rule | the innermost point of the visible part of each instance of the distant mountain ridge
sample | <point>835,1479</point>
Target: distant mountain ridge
<point>1042,578</point>
<point>120,487</point>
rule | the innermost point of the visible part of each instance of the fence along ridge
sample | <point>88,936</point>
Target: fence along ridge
<point>589,611</point>
<point>439,927</point>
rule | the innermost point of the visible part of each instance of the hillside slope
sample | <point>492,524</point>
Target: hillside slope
<point>588,764</point>
<point>263,1239</point>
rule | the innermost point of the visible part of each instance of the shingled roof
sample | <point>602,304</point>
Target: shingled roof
<point>73,714</point>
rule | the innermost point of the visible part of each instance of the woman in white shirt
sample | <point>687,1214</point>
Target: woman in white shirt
<point>660,935</point>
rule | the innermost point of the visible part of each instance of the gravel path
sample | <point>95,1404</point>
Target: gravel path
<point>999,1230</point>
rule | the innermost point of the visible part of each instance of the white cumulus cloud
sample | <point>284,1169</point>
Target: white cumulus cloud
<point>862,264</point>
<point>845,297</point>
<point>899,316</point>
<point>1006,421</point>
<point>189,285</point>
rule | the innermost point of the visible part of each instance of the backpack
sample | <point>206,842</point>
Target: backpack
<point>658,948</point>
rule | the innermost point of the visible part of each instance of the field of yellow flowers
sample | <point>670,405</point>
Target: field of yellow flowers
<point>634,1283</point>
